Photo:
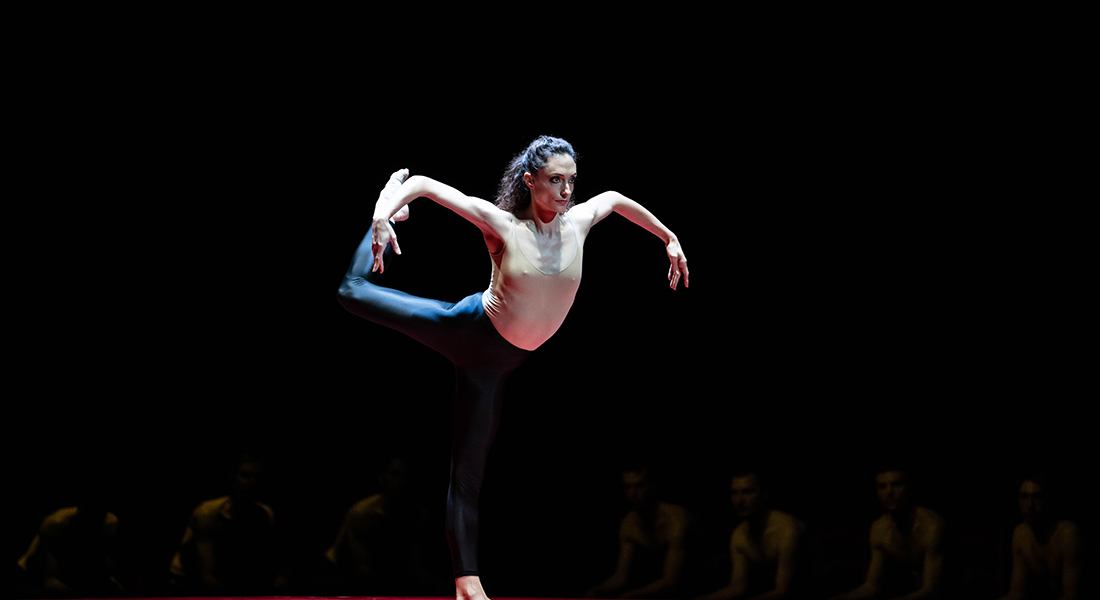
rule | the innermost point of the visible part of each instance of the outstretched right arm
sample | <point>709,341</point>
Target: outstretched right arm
<point>492,221</point>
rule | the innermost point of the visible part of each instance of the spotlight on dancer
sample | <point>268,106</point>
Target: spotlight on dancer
<point>534,234</point>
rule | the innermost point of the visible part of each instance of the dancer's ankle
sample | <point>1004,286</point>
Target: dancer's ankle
<point>469,587</point>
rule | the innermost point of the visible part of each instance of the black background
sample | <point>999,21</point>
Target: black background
<point>882,257</point>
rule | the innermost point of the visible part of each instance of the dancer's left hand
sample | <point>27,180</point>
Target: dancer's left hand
<point>678,264</point>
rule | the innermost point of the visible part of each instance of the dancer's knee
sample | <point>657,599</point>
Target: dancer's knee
<point>346,291</point>
<point>353,292</point>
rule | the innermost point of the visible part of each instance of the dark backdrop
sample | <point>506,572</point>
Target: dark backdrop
<point>876,277</point>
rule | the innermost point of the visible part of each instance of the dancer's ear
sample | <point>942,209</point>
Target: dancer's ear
<point>529,179</point>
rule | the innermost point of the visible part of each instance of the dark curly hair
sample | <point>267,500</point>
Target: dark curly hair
<point>513,195</point>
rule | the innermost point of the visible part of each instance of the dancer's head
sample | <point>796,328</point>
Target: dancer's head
<point>891,485</point>
<point>246,474</point>
<point>1031,499</point>
<point>395,478</point>
<point>747,494</point>
<point>638,487</point>
<point>544,170</point>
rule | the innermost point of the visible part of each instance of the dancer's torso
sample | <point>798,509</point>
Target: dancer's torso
<point>535,279</point>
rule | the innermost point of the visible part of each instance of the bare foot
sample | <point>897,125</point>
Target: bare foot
<point>395,181</point>
<point>469,588</point>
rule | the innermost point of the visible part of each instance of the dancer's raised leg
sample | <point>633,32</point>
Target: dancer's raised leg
<point>361,295</point>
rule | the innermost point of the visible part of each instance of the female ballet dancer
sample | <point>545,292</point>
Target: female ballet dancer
<point>535,236</point>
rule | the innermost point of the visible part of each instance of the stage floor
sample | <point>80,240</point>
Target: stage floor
<point>331,598</point>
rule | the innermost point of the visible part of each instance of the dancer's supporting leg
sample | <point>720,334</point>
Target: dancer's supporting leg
<point>483,360</point>
<point>361,295</point>
<point>476,416</point>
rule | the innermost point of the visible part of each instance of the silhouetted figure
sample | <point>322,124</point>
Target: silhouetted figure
<point>652,544</point>
<point>73,553</point>
<point>765,548</point>
<point>378,549</point>
<point>906,546</point>
<point>1045,551</point>
<point>229,546</point>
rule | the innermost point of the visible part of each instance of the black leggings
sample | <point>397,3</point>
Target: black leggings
<point>482,359</point>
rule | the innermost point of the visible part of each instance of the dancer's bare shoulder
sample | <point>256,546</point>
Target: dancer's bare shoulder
<point>592,211</point>
<point>928,528</point>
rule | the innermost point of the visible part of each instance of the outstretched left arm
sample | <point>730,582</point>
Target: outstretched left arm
<point>606,203</point>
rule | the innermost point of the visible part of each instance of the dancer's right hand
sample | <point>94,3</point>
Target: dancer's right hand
<point>382,233</point>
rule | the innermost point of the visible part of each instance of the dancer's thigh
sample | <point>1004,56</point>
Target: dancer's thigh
<point>434,323</point>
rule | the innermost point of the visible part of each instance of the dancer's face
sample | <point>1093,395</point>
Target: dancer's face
<point>1031,500</point>
<point>891,489</point>
<point>744,493</point>
<point>395,478</point>
<point>552,186</point>
<point>247,479</point>
<point>636,487</point>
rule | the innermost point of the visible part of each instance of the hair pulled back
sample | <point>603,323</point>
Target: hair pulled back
<point>513,194</point>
